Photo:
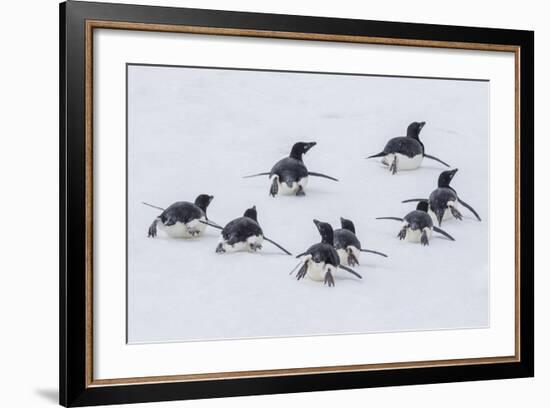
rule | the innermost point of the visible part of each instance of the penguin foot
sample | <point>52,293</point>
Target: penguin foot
<point>402,234</point>
<point>424,239</point>
<point>456,213</point>
<point>352,260</point>
<point>393,166</point>
<point>329,279</point>
<point>302,271</point>
<point>152,233</point>
<point>220,249</point>
<point>274,189</point>
<point>255,247</point>
<point>300,192</point>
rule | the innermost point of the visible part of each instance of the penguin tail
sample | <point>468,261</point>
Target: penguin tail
<point>436,159</point>
<point>381,154</point>
<point>370,251</point>
<point>258,174</point>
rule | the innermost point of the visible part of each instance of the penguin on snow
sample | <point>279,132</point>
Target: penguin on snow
<point>289,176</point>
<point>347,244</point>
<point>417,226</point>
<point>182,219</point>
<point>243,234</point>
<point>443,200</point>
<point>321,260</point>
<point>406,152</point>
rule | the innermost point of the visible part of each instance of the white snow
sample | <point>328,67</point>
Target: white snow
<point>194,131</point>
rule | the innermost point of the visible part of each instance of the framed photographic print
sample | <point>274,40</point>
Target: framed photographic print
<point>256,203</point>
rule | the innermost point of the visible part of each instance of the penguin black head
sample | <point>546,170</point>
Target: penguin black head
<point>203,201</point>
<point>252,213</point>
<point>300,149</point>
<point>413,130</point>
<point>327,234</point>
<point>446,177</point>
<point>347,224</point>
<point>422,206</point>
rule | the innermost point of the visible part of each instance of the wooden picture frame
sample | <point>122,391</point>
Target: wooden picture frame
<point>78,20</point>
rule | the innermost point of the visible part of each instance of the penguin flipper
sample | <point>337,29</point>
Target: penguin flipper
<point>345,268</point>
<point>440,231</point>
<point>277,245</point>
<point>390,218</point>
<point>152,206</point>
<point>436,159</point>
<point>373,252</point>
<point>413,200</point>
<point>381,154</point>
<point>267,173</point>
<point>211,224</point>
<point>469,207</point>
<point>214,224</point>
<point>315,174</point>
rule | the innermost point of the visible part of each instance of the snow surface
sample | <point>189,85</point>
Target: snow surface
<point>193,131</point>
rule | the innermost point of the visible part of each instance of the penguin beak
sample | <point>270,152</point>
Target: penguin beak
<point>439,218</point>
<point>316,222</point>
<point>309,145</point>
<point>453,172</point>
<point>211,197</point>
<point>421,125</point>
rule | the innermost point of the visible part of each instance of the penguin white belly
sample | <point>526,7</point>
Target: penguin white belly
<point>181,230</point>
<point>446,215</point>
<point>284,189</point>
<point>343,255</point>
<point>416,235</point>
<point>254,241</point>
<point>317,270</point>
<point>403,162</point>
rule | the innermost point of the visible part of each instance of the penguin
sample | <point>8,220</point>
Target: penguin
<point>443,200</point>
<point>417,225</point>
<point>406,152</point>
<point>348,246</point>
<point>243,234</point>
<point>182,219</point>
<point>289,176</point>
<point>321,260</point>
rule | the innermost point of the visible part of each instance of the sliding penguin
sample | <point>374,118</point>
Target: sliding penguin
<point>406,152</point>
<point>321,260</point>
<point>443,200</point>
<point>417,225</point>
<point>348,246</point>
<point>182,219</point>
<point>243,234</point>
<point>289,176</point>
